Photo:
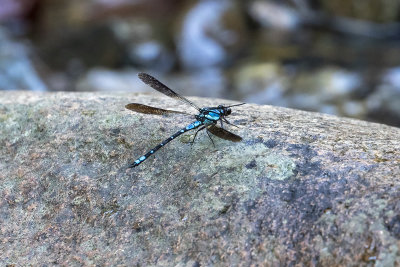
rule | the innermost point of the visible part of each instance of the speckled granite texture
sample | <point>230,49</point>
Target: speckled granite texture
<point>301,188</point>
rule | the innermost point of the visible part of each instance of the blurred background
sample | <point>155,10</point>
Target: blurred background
<point>339,57</point>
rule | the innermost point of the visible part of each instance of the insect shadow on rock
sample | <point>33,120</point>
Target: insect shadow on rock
<point>206,118</point>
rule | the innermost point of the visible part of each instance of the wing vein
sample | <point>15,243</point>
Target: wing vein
<point>162,88</point>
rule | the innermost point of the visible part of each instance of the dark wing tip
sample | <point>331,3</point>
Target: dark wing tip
<point>234,138</point>
<point>224,134</point>
<point>239,139</point>
<point>130,106</point>
<point>144,76</point>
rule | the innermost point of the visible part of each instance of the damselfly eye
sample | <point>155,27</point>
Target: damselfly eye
<point>228,111</point>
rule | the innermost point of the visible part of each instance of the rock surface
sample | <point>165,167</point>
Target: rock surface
<point>301,188</point>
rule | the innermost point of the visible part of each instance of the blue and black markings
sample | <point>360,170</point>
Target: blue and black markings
<point>206,119</point>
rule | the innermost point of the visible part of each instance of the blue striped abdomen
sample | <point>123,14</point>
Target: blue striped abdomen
<point>191,126</point>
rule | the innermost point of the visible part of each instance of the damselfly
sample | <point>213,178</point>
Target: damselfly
<point>207,117</point>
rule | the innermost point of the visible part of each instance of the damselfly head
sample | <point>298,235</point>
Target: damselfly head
<point>225,111</point>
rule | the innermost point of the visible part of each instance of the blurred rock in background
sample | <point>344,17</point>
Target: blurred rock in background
<point>338,57</point>
<point>211,33</point>
<point>17,72</point>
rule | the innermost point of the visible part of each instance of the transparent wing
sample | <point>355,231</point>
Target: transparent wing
<point>151,110</point>
<point>224,134</point>
<point>160,87</point>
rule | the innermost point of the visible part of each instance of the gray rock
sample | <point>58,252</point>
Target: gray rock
<point>301,188</point>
